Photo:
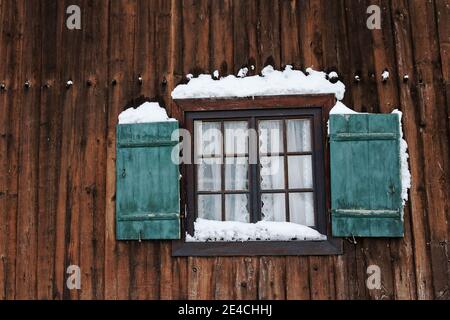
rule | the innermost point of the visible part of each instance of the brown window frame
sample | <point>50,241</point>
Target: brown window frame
<point>316,107</point>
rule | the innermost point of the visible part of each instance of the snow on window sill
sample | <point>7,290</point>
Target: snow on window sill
<point>233,231</point>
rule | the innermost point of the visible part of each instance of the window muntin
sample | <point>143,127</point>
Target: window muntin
<point>278,187</point>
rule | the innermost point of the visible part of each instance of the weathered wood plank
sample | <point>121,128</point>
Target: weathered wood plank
<point>246,279</point>
<point>245,43</point>
<point>27,214</point>
<point>92,85</point>
<point>49,151</point>
<point>221,45</point>
<point>196,34</point>
<point>121,68</point>
<point>434,134</point>
<point>5,44</point>
<point>416,204</point>
<point>289,34</point>
<point>200,280</point>
<point>297,278</point>
<point>268,33</point>
<point>272,278</point>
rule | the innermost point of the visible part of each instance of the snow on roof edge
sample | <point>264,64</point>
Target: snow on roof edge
<point>271,82</point>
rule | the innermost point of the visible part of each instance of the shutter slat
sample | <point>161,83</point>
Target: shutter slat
<point>365,175</point>
<point>147,196</point>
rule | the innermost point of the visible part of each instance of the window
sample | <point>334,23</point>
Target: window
<point>282,171</point>
<point>261,159</point>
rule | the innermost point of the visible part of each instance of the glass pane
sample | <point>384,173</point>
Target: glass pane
<point>208,138</point>
<point>270,136</point>
<point>236,173</point>
<point>236,137</point>
<point>209,174</point>
<point>301,207</point>
<point>299,135</point>
<point>300,172</point>
<point>210,207</point>
<point>272,173</point>
<point>236,207</point>
<point>273,206</point>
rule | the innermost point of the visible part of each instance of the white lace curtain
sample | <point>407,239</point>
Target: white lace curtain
<point>232,145</point>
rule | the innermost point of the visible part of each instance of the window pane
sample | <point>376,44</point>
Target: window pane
<point>272,173</point>
<point>300,172</point>
<point>208,138</point>
<point>236,207</point>
<point>236,137</point>
<point>273,207</point>
<point>209,174</point>
<point>298,135</point>
<point>210,207</point>
<point>301,207</point>
<point>270,136</point>
<point>236,173</point>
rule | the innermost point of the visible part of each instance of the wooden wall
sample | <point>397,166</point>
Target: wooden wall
<point>57,144</point>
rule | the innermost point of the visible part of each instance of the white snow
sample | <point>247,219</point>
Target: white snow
<point>211,230</point>
<point>340,108</point>
<point>385,75</point>
<point>189,76</point>
<point>333,75</point>
<point>272,82</point>
<point>405,173</point>
<point>216,74</point>
<point>242,72</point>
<point>146,112</point>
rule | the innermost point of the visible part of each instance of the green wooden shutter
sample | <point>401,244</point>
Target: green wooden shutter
<point>365,175</point>
<point>147,195</point>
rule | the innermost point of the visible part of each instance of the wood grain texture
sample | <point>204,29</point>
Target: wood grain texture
<point>57,144</point>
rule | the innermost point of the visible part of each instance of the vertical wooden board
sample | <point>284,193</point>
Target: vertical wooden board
<point>67,214</point>
<point>222,46</point>
<point>245,39</point>
<point>49,151</point>
<point>196,35</point>
<point>272,278</point>
<point>384,59</point>
<point>364,95</point>
<point>120,68</point>
<point>200,278</point>
<point>224,278</point>
<point>321,278</point>
<point>268,28</point>
<point>340,277</point>
<point>14,97</point>
<point>297,278</point>
<point>5,43</point>
<point>415,206</point>
<point>74,107</point>
<point>442,10</point>
<point>311,42</point>
<point>179,278</point>
<point>289,34</point>
<point>26,262</point>
<point>246,278</point>
<point>435,140</point>
<point>92,147</point>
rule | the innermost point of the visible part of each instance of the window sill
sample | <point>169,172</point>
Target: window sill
<point>332,246</point>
